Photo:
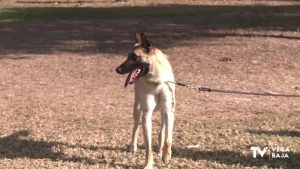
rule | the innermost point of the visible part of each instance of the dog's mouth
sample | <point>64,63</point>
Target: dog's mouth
<point>137,73</point>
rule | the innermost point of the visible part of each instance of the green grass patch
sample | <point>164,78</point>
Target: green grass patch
<point>13,14</point>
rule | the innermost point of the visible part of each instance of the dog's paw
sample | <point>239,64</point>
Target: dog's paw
<point>166,157</point>
<point>159,152</point>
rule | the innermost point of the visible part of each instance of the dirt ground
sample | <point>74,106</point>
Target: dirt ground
<point>114,3</point>
<point>63,106</point>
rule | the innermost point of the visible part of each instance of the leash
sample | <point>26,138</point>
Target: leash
<point>206,89</point>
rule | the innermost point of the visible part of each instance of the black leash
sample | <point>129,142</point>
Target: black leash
<point>206,89</point>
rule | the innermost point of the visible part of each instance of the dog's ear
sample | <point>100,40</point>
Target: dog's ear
<point>138,39</point>
<point>145,42</point>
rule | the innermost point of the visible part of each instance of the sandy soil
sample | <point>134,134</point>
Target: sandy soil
<point>63,105</point>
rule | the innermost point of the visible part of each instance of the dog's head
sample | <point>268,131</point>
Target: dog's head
<point>137,63</point>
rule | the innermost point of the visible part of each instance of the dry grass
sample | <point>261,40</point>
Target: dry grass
<point>114,3</point>
<point>63,106</point>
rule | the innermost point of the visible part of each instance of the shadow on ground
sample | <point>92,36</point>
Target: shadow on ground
<point>289,133</point>
<point>20,145</point>
<point>110,30</point>
<point>17,145</point>
<point>235,158</point>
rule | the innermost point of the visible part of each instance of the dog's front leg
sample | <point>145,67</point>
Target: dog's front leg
<point>136,118</point>
<point>147,129</point>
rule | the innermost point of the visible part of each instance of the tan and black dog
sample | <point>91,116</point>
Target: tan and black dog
<point>150,71</point>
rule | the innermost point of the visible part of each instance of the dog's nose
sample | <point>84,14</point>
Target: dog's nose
<point>118,70</point>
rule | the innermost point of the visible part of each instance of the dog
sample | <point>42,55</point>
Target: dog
<point>149,70</point>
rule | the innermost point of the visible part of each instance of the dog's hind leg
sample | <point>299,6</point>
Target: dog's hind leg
<point>161,136</point>
<point>168,109</point>
<point>136,118</point>
<point>167,152</point>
